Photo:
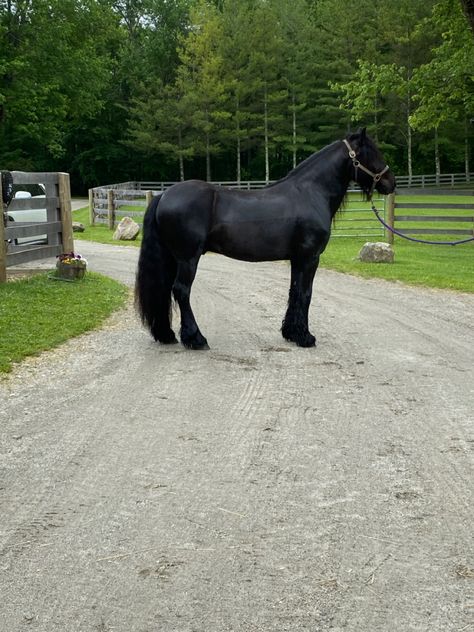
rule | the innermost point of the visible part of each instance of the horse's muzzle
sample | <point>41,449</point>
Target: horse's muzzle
<point>386,184</point>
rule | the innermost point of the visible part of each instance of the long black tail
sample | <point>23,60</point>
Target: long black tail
<point>155,276</point>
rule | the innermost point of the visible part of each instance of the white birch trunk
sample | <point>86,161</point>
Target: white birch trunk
<point>181,159</point>
<point>437,158</point>
<point>208,159</point>
<point>466,152</point>
<point>409,141</point>
<point>293,100</point>
<point>237,128</point>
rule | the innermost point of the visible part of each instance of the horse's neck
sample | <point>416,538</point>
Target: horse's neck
<point>333,176</point>
<point>326,173</point>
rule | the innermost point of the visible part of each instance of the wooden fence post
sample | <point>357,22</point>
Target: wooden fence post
<point>148,198</point>
<point>390,209</point>
<point>110,208</point>
<point>64,189</point>
<point>3,245</point>
<point>91,207</point>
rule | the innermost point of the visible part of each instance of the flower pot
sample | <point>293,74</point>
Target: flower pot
<point>70,271</point>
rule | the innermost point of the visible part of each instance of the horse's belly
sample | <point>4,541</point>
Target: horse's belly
<point>252,241</point>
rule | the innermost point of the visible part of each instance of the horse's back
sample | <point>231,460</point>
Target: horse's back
<point>188,197</point>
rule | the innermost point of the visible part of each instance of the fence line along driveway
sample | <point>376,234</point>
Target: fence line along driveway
<point>253,487</point>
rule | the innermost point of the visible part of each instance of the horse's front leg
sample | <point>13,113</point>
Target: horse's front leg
<point>191,337</point>
<point>295,323</point>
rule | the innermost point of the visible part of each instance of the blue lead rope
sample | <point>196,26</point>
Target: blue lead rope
<point>419,241</point>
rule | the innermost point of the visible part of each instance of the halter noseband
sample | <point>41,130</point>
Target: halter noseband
<point>357,165</point>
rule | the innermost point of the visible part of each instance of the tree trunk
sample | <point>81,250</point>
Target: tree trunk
<point>208,149</point>
<point>181,159</point>
<point>237,157</point>
<point>466,151</point>
<point>208,159</point>
<point>265,117</point>
<point>293,100</point>
<point>237,129</point>
<point>437,159</point>
<point>376,120</point>
<point>409,141</point>
<point>410,157</point>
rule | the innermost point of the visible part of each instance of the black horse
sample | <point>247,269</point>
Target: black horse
<point>288,220</point>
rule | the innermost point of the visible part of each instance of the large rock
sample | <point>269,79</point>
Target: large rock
<point>127,230</point>
<point>77,227</point>
<point>376,252</point>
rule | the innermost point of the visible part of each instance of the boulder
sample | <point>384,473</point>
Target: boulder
<point>127,230</point>
<point>77,227</point>
<point>376,252</point>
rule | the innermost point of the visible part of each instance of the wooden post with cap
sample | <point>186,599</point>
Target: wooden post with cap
<point>390,210</point>
<point>110,209</point>
<point>64,191</point>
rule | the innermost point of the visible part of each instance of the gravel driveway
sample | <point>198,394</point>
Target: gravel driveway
<point>253,487</point>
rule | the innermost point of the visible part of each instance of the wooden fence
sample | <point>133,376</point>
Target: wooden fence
<point>431,216</point>
<point>109,204</point>
<point>432,180</point>
<point>55,234</point>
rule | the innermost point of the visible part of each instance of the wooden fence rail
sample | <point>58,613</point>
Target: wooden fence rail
<point>25,241</point>
<point>432,180</point>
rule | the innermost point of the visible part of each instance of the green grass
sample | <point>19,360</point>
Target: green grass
<point>40,313</point>
<point>445,267</point>
<point>437,266</point>
<point>99,232</point>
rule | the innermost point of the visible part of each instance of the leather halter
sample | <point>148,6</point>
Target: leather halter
<point>357,165</point>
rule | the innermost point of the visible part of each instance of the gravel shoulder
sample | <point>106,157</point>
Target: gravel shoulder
<point>253,487</point>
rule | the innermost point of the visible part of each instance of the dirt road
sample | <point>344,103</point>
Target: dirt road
<point>253,487</point>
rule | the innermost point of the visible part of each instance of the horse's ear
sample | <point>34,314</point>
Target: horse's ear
<point>362,135</point>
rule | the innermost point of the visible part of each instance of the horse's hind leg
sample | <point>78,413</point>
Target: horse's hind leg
<point>161,328</point>
<point>295,324</point>
<point>191,337</point>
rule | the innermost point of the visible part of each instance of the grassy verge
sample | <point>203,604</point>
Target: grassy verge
<point>99,232</point>
<point>39,313</point>
<point>445,267</point>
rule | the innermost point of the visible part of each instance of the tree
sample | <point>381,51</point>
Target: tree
<point>199,80</point>
<point>445,85</point>
<point>158,127</point>
<point>54,73</point>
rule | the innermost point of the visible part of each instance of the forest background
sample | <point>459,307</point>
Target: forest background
<point>115,90</point>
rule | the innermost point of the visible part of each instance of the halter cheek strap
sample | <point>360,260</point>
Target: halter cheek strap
<point>375,176</point>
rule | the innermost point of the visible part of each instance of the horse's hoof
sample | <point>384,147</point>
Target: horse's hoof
<point>166,339</point>
<point>307,341</point>
<point>196,342</point>
<point>196,347</point>
<point>300,338</point>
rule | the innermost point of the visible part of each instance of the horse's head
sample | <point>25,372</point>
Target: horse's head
<point>369,168</point>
